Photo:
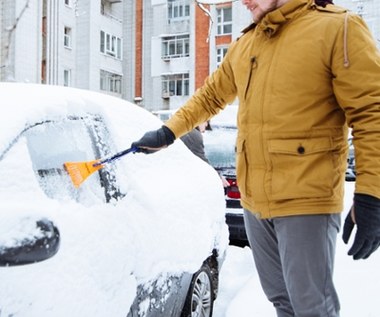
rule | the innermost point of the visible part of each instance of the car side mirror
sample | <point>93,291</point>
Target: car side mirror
<point>29,251</point>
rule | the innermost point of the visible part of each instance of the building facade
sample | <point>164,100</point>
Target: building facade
<point>369,10</point>
<point>173,47</point>
<point>155,53</point>
<point>20,41</point>
<point>83,44</point>
<point>74,43</point>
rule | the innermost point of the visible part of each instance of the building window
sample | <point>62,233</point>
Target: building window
<point>178,9</point>
<point>68,3</point>
<point>175,85</point>
<point>224,20</point>
<point>110,82</point>
<point>110,45</point>
<point>175,46</point>
<point>66,77</point>
<point>67,37</point>
<point>220,53</point>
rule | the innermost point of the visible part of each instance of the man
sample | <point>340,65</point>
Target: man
<point>304,71</point>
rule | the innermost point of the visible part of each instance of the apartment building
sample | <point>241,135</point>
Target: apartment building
<point>155,53</point>
<point>63,42</point>
<point>173,47</point>
<point>83,44</point>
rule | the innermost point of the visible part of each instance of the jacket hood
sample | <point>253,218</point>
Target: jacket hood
<point>274,19</point>
<point>270,23</point>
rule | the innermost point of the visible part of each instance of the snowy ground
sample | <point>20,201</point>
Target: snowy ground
<point>357,282</point>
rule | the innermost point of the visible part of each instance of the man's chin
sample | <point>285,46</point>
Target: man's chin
<point>257,16</point>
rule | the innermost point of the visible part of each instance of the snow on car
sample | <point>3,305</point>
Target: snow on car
<point>140,237</point>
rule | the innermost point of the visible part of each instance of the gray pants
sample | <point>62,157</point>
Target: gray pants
<point>294,258</point>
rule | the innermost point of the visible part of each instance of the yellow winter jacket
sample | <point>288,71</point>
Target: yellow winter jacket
<point>302,75</point>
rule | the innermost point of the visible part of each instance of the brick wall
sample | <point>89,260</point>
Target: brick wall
<point>202,50</point>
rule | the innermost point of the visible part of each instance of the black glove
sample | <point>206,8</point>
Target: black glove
<point>154,141</point>
<point>366,211</point>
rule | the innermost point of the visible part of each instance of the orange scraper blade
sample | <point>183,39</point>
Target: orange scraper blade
<point>79,171</point>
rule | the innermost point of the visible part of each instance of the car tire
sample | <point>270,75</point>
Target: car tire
<point>200,297</point>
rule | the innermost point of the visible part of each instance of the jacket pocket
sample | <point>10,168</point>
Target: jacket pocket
<point>301,168</point>
<point>250,174</point>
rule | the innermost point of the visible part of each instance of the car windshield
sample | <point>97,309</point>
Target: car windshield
<point>220,146</point>
<point>51,144</point>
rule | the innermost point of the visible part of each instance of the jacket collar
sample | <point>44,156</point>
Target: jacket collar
<point>274,19</point>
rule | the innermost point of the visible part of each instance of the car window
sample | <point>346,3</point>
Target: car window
<point>52,143</point>
<point>220,147</point>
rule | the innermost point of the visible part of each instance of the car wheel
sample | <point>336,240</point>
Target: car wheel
<point>200,297</point>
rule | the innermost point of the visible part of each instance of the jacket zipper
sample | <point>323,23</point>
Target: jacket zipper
<point>253,66</point>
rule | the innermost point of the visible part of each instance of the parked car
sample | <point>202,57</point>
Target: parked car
<point>351,168</point>
<point>130,241</point>
<point>164,115</point>
<point>220,151</point>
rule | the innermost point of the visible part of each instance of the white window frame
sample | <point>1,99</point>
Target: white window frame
<point>110,82</point>
<point>175,85</point>
<point>178,9</point>
<point>111,45</point>
<point>224,24</point>
<point>175,46</point>
<point>67,34</point>
<point>221,51</point>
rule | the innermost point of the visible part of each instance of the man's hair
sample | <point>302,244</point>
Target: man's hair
<point>323,3</point>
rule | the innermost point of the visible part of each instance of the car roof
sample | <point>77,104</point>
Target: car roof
<point>31,103</point>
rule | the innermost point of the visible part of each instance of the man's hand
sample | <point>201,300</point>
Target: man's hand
<point>154,141</point>
<point>365,213</point>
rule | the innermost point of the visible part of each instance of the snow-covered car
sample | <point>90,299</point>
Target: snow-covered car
<point>130,241</point>
<point>220,144</point>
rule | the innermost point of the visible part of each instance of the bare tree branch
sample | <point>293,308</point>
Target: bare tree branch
<point>201,4</point>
